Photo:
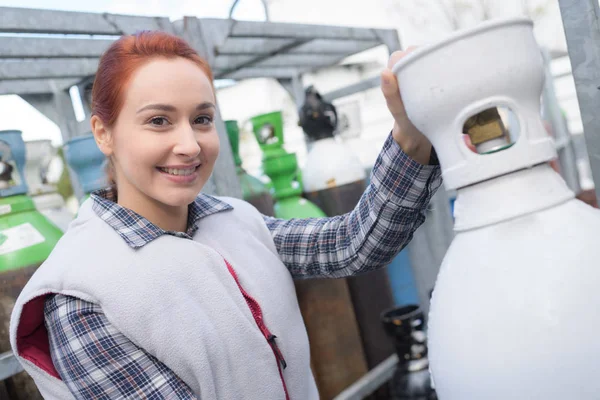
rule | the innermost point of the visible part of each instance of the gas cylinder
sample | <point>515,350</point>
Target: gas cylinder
<point>333,176</point>
<point>253,190</point>
<point>335,180</point>
<point>514,310</point>
<point>26,240</point>
<point>337,357</point>
<point>406,327</point>
<point>48,201</point>
<point>87,164</point>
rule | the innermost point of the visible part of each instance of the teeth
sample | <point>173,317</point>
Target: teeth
<point>183,172</point>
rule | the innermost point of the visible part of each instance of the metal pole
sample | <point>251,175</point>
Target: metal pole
<point>562,136</point>
<point>370,382</point>
<point>224,180</point>
<point>298,90</point>
<point>68,123</point>
<point>582,30</point>
<point>9,365</point>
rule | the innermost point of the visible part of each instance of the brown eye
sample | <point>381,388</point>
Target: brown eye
<point>204,120</point>
<point>159,121</point>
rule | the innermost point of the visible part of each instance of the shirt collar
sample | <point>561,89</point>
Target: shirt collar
<point>136,230</point>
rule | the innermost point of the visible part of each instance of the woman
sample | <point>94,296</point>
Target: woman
<point>158,292</point>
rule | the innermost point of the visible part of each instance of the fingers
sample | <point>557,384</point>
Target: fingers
<point>389,85</point>
<point>469,144</point>
<point>398,55</point>
<point>391,92</point>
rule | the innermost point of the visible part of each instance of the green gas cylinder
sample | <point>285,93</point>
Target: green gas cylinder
<point>282,168</point>
<point>26,236</point>
<point>337,356</point>
<point>254,191</point>
<point>26,240</point>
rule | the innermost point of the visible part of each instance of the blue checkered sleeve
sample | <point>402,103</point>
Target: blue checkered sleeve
<point>96,361</point>
<point>390,210</point>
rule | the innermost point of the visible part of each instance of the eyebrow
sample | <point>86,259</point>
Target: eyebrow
<point>170,108</point>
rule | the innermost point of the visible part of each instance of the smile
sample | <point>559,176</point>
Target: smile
<point>179,171</point>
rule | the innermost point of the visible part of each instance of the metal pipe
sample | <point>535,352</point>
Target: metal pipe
<point>9,365</point>
<point>370,382</point>
<point>264,3</point>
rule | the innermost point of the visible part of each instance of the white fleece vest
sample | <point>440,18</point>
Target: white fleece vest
<point>176,299</point>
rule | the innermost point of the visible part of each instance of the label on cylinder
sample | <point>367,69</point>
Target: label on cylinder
<point>19,237</point>
<point>5,209</point>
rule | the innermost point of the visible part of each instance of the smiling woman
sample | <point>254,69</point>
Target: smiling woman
<point>152,116</point>
<point>157,290</point>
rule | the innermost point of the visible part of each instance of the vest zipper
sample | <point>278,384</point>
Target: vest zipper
<point>258,318</point>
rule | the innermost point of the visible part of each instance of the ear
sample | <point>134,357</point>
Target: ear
<point>102,135</point>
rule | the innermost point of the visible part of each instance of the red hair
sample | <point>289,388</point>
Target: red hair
<point>121,60</point>
<point>124,57</point>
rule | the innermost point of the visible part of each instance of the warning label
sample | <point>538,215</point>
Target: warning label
<point>19,237</point>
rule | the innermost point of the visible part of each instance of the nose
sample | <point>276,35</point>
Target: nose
<point>186,143</point>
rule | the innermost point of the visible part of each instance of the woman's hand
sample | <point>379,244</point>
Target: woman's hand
<point>410,139</point>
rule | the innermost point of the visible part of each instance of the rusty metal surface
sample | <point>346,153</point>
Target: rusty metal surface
<point>263,203</point>
<point>337,357</point>
<point>13,281</point>
<point>370,293</point>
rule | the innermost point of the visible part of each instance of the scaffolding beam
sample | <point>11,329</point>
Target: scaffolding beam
<point>581,23</point>
<point>28,20</point>
<point>40,68</point>
<point>276,61</point>
<point>361,86</point>
<point>298,31</point>
<point>32,47</point>
<point>253,46</point>
<point>35,86</point>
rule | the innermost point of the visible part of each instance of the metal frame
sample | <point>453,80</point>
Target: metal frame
<point>62,49</point>
<point>234,49</point>
<point>581,19</point>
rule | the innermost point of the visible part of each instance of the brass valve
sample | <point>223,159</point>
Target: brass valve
<point>485,126</point>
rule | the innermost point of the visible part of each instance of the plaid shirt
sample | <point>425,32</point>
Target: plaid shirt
<point>97,362</point>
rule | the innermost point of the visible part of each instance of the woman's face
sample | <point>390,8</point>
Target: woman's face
<point>164,143</point>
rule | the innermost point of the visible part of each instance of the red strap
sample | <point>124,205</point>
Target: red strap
<point>258,318</point>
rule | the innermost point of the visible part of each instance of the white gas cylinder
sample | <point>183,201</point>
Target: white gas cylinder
<point>331,163</point>
<point>38,156</point>
<point>47,200</point>
<point>53,207</point>
<point>514,310</point>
